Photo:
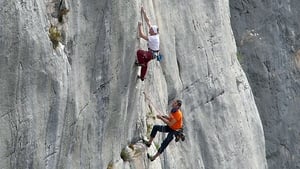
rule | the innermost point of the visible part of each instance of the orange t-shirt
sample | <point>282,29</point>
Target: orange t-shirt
<point>178,116</point>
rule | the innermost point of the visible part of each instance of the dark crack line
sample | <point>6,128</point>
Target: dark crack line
<point>214,97</point>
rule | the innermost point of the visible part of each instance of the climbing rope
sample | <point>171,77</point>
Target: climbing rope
<point>151,103</point>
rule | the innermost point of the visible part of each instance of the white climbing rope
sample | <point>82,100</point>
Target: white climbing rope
<point>152,104</point>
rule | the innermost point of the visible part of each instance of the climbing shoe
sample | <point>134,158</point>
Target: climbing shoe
<point>137,63</point>
<point>150,157</point>
<point>182,137</point>
<point>146,143</point>
<point>139,77</point>
<point>177,138</point>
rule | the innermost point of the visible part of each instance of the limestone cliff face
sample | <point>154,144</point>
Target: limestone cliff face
<point>267,36</point>
<point>73,101</point>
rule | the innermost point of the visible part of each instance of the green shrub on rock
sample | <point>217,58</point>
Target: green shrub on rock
<point>55,36</point>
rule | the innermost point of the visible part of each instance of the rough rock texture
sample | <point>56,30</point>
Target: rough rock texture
<point>79,105</point>
<point>267,35</point>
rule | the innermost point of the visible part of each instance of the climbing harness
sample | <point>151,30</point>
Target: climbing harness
<point>155,53</point>
<point>179,135</point>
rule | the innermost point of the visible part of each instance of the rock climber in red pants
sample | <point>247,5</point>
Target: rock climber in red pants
<point>143,57</point>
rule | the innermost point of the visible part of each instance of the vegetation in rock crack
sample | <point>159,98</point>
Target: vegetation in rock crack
<point>150,116</point>
<point>239,56</point>
<point>110,165</point>
<point>55,36</point>
<point>125,155</point>
<point>61,13</point>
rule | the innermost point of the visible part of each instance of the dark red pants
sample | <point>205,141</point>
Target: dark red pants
<point>143,58</point>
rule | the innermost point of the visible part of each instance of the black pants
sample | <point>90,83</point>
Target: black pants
<point>164,129</point>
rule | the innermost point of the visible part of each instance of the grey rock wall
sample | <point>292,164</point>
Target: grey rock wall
<point>79,105</point>
<point>267,36</point>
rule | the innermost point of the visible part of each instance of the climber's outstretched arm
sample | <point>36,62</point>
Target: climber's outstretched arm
<point>146,17</point>
<point>141,33</point>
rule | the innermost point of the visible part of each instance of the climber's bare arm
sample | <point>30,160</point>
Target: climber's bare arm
<point>146,17</point>
<point>141,33</point>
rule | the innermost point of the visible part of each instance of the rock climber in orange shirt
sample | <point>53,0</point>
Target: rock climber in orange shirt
<point>174,124</point>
